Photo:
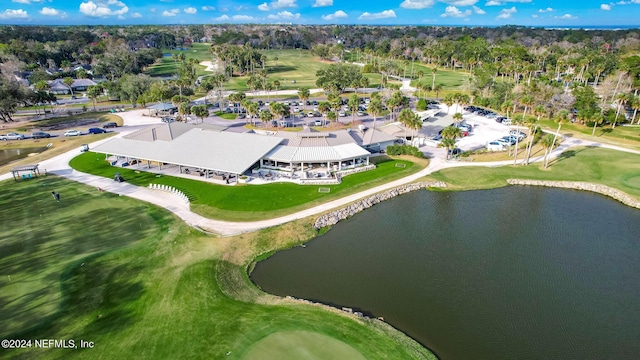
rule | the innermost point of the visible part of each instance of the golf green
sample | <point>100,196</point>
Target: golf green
<point>301,345</point>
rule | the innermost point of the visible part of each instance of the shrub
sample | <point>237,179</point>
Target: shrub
<point>421,105</point>
<point>404,150</point>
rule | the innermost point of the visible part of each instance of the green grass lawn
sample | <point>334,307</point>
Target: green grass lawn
<point>251,202</point>
<point>139,283</point>
<point>609,167</point>
<point>627,136</point>
<point>292,65</point>
<point>168,66</point>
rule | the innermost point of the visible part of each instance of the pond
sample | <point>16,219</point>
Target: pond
<point>9,155</point>
<point>510,273</point>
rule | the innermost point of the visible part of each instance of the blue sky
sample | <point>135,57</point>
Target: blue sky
<point>381,12</point>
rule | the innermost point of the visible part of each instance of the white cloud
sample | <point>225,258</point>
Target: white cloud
<point>172,12</point>
<point>263,7</point>
<point>14,14</point>
<point>566,16</point>
<point>323,3</point>
<point>506,13</point>
<point>284,15</point>
<point>546,10</point>
<point>238,18</point>
<point>51,12</point>
<point>605,7</point>
<point>190,10</point>
<point>224,9</point>
<point>381,15</point>
<point>478,11</point>
<point>452,11</point>
<point>535,16</point>
<point>279,4</point>
<point>336,15</point>
<point>208,8</point>
<point>460,2</point>
<point>136,15</point>
<point>417,4</point>
<point>102,9</point>
<point>504,2</point>
<point>243,18</point>
<point>21,2</point>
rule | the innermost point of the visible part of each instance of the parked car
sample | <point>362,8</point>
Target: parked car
<point>96,131</point>
<point>360,113</point>
<point>518,133</point>
<point>12,136</point>
<point>342,114</point>
<point>311,114</point>
<point>110,124</point>
<point>495,146</point>
<point>40,135</point>
<point>509,140</point>
<point>455,151</point>
<point>72,133</point>
<point>168,119</point>
<point>317,123</point>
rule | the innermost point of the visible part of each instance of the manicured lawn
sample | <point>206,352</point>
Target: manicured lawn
<point>450,80</point>
<point>301,345</point>
<point>627,136</point>
<point>168,66</point>
<point>292,65</point>
<point>251,202</point>
<point>140,284</point>
<point>226,116</point>
<point>609,167</point>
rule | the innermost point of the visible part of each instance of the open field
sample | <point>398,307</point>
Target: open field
<point>102,268</point>
<point>627,136</point>
<point>258,202</point>
<point>603,166</point>
<point>167,66</point>
<point>292,65</point>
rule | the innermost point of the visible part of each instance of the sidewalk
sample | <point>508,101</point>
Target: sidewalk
<point>59,165</point>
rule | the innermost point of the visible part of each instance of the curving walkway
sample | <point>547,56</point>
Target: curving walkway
<point>59,165</point>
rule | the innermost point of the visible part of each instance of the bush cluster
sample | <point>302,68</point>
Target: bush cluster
<point>404,150</point>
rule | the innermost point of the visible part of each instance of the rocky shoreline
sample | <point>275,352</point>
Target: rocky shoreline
<point>597,188</point>
<point>336,216</point>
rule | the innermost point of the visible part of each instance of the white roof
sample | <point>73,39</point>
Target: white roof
<point>220,151</point>
<point>296,154</point>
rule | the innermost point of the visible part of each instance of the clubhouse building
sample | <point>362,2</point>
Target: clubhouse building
<point>208,151</point>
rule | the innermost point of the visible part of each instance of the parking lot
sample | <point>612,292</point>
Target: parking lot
<point>484,129</point>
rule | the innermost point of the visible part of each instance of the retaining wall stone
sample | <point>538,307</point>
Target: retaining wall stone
<point>335,216</point>
<point>597,188</point>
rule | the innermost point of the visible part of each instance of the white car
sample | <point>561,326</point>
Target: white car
<point>72,133</point>
<point>12,136</point>
<point>495,146</point>
<point>317,123</point>
<point>518,133</point>
<point>342,114</point>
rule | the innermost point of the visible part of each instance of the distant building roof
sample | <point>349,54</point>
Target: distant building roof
<point>162,106</point>
<point>83,83</point>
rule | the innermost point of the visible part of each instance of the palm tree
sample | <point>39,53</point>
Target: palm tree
<point>252,109</point>
<point>324,108</point>
<point>622,100</point>
<point>449,136</point>
<point>547,141</point>
<point>457,117</point>
<point>375,108</point>
<point>303,94</point>
<point>448,100</point>
<point>68,81</point>
<point>354,104</point>
<point>276,84</point>
<point>266,117</point>
<point>433,79</point>
<point>437,89</point>
<point>525,100</point>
